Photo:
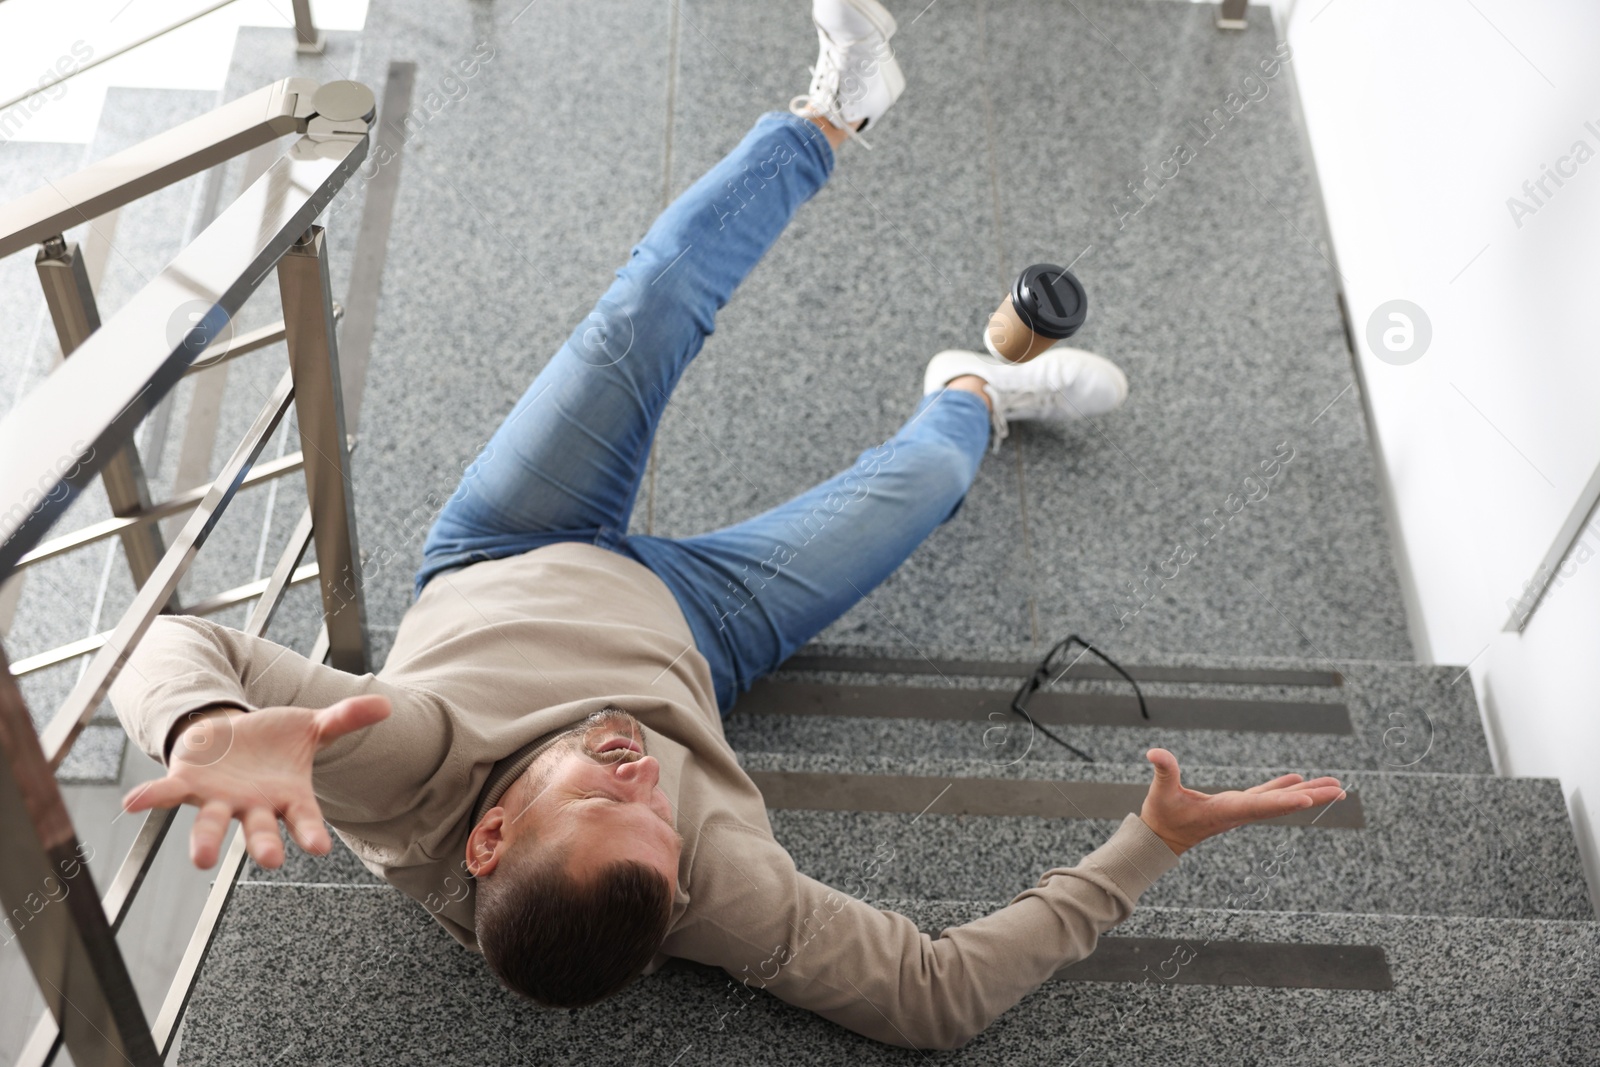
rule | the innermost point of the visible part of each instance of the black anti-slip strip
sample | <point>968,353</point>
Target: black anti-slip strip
<point>989,668</point>
<point>773,697</point>
<point>1046,798</point>
<point>1262,964</point>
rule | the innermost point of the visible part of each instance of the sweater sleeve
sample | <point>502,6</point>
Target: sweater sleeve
<point>187,664</point>
<point>874,972</point>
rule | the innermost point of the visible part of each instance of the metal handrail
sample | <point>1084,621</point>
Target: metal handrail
<point>92,687</point>
<point>228,598</point>
<point>45,1040</point>
<point>262,471</point>
<point>80,421</point>
<point>245,343</point>
<point>1566,539</point>
<point>270,112</point>
<point>118,375</point>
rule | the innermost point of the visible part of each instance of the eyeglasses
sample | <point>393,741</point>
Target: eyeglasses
<point>1047,671</point>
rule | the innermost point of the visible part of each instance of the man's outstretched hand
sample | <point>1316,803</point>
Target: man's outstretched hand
<point>253,767</point>
<point>1185,817</point>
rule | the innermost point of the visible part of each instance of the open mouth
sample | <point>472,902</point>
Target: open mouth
<point>620,743</point>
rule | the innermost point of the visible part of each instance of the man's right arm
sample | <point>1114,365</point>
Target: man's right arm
<point>189,672</point>
<point>873,971</point>
<point>876,973</point>
<point>187,664</point>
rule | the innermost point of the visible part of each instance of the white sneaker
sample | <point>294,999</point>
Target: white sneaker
<point>1062,385</point>
<point>856,78</point>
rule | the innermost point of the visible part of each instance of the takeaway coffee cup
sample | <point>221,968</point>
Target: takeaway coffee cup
<point>1045,305</point>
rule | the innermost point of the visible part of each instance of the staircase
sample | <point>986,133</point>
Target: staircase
<point>1440,915</point>
<point>1437,914</point>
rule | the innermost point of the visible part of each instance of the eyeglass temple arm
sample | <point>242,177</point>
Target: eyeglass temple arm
<point>1109,662</point>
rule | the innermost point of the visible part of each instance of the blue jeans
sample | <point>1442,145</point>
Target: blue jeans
<point>567,462</point>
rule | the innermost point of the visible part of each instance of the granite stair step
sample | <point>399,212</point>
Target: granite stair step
<point>1405,844</point>
<point>337,975</point>
<point>1412,844</point>
<point>1240,712</point>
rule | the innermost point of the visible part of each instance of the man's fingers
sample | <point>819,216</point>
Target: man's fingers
<point>1324,794</point>
<point>1291,783</point>
<point>1277,783</point>
<point>305,823</point>
<point>205,840</point>
<point>261,837</point>
<point>349,715</point>
<point>160,793</point>
<point>1259,806</point>
<point>1270,805</point>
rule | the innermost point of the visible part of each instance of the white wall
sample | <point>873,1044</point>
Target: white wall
<point>38,42</point>
<point>1425,117</point>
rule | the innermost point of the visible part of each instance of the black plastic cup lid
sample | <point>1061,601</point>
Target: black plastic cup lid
<point>1050,301</point>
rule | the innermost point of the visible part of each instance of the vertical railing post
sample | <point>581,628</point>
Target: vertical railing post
<point>70,298</point>
<point>319,404</point>
<point>308,39</point>
<point>53,909</point>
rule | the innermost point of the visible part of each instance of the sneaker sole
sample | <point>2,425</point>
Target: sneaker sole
<point>1097,365</point>
<point>893,77</point>
<point>954,362</point>
<point>876,14</point>
<point>1120,375</point>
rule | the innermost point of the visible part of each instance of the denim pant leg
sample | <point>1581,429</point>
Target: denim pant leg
<point>756,591</point>
<point>566,464</point>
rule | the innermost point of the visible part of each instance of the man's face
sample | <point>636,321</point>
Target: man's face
<point>595,794</point>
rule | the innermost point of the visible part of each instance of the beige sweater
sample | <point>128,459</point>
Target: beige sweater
<point>495,657</point>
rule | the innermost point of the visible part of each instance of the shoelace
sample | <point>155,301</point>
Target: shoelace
<point>825,83</point>
<point>997,419</point>
<point>1052,386</point>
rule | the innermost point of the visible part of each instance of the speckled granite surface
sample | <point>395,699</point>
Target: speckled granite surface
<point>1432,844</point>
<point>339,866</point>
<point>1218,301</point>
<point>394,988</point>
<point>23,319</point>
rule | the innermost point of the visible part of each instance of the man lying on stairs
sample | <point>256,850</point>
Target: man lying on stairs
<point>541,762</point>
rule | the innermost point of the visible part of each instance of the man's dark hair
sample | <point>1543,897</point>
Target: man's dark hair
<point>566,943</point>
